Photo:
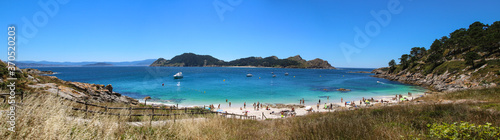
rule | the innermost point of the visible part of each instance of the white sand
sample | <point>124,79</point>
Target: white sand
<point>262,113</point>
<point>302,111</point>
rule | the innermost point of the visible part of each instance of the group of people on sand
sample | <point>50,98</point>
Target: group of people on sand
<point>367,101</point>
<point>327,106</point>
<point>258,105</point>
<point>212,106</point>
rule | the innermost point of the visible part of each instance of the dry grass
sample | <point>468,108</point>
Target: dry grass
<point>47,117</point>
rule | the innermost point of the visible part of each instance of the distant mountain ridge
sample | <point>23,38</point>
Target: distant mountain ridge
<point>195,60</point>
<point>98,64</point>
<point>145,62</point>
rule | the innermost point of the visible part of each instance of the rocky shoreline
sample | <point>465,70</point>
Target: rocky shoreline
<point>81,91</point>
<point>444,82</point>
<point>36,71</point>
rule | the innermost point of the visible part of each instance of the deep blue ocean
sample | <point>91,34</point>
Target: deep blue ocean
<point>213,85</point>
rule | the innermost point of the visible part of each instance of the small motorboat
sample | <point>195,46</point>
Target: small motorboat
<point>286,73</point>
<point>249,75</point>
<point>272,72</point>
<point>178,75</point>
<point>274,75</point>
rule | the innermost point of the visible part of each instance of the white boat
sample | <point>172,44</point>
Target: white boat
<point>249,75</point>
<point>286,73</point>
<point>274,75</point>
<point>178,75</point>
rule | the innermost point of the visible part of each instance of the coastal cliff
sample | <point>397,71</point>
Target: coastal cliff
<point>467,58</point>
<point>34,81</point>
<point>441,82</point>
<point>194,60</point>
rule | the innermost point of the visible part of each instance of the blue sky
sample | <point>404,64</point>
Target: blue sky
<point>119,30</point>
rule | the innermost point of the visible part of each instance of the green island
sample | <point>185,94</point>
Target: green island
<point>194,60</point>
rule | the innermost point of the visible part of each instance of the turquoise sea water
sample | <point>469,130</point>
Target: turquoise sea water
<point>213,85</point>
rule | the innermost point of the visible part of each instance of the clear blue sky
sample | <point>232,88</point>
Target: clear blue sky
<point>119,30</point>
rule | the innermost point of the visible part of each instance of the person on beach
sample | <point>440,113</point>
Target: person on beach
<point>331,106</point>
<point>260,105</point>
<point>226,100</point>
<point>293,109</point>
<point>341,100</point>
<point>218,107</point>
<point>254,106</point>
<point>326,107</point>
<point>319,102</point>
<point>229,104</point>
<point>317,106</point>
<point>245,105</point>
<point>409,94</point>
<point>345,105</point>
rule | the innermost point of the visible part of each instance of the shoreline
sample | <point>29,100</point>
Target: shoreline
<point>309,103</point>
<point>299,111</point>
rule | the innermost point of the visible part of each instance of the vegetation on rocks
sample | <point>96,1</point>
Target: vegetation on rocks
<point>464,59</point>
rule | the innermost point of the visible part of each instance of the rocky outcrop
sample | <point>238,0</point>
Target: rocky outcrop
<point>36,71</point>
<point>442,82</point>
<point>343,89</point>
<point>311,64</point>
<point>319,64</point>
<point>109,88</point>
<point>101,93</point>
<point>83,91</point>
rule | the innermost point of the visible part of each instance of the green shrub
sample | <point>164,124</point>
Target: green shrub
<point>428,68</point>
<point>451,67</point>
<point>463,130</point>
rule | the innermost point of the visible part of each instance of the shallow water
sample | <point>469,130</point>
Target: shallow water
<point>213,85</point>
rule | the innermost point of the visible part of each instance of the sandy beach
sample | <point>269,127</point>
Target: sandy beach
<point>274,111</point>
